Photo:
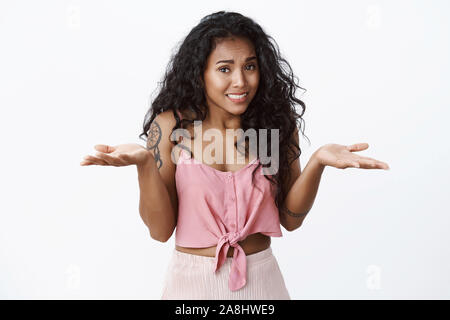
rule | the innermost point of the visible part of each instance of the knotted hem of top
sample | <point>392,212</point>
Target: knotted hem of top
<point>238,272</point>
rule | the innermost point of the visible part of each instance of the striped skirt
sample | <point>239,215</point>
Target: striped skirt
<point>191,277</point>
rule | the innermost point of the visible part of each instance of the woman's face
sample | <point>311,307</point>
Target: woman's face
<point>231,69</point>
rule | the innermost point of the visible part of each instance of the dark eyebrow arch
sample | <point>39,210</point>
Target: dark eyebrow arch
<point>232,61</point>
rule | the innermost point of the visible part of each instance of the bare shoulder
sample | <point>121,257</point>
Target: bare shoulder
<point>166,117</point>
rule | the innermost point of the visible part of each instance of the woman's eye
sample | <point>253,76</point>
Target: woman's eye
<point>251,65</point>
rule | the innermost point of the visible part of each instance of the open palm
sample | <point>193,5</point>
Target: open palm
<point>342,157</point>
<point>120,155</point>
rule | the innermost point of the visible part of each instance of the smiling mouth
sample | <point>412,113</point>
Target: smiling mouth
<point>237,95</point>
<point>237,98</point>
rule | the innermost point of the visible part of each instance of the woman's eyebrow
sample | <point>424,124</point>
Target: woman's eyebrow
<point>232,61</point>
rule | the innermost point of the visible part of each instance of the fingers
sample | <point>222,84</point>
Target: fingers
<point>361,163</point>
<point>344,164</point>
<point>370,163</point>
<point>366,162</point>
<point>87,163</point>
<point>358,147</point>
<point>113,161</point>
<point>90,160</point>
<point>376,163</point>
<point>101,158</point>
<point>104,148</point>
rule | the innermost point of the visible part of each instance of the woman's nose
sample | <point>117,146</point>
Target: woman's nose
<point>239,79</point>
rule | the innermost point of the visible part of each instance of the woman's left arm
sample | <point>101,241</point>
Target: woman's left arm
<point>303,190</point>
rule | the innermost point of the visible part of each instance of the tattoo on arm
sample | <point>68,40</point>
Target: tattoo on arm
<point>293,214</point>
<point>154,137</point>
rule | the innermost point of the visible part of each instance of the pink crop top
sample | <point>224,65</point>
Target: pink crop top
<point>221,208</point>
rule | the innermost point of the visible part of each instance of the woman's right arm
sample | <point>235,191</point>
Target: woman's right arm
<point>155,206</point>
<point>158,204</point>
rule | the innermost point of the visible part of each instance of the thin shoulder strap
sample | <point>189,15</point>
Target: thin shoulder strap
<point>179,114</point>
<point>183,153</point>
<point>181,118</point>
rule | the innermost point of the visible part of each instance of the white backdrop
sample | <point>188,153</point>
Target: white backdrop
<point>78,73</point>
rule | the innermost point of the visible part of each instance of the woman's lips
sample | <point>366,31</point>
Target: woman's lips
<point>238,100</point>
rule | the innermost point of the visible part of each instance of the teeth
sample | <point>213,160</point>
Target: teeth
<point>237,97</point>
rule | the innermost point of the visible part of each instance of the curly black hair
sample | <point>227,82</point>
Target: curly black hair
<point>273,106</point>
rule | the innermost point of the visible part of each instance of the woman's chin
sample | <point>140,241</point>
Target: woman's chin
<point>237,110</point>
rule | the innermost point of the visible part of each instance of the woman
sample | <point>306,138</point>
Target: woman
<point>227,76</point>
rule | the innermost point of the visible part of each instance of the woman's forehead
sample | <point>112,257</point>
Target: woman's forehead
<point>232,49</point>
